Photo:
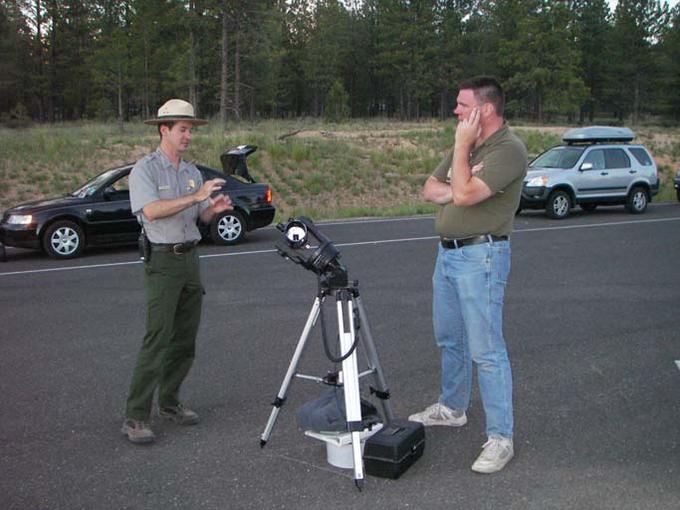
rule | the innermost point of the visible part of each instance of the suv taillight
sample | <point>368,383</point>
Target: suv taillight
<point>268,196</point>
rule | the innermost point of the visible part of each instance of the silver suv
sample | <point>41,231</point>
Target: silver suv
<point>596,165</point>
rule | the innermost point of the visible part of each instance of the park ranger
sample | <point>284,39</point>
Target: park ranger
<point>168,196</point>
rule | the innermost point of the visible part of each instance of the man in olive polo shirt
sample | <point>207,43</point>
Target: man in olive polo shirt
<point>168,196</point>
<point>478,187</point>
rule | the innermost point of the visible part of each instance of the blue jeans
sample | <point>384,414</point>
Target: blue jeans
<point>468,288</point>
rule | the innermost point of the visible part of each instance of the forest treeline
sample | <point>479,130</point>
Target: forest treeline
<point>249,59</point>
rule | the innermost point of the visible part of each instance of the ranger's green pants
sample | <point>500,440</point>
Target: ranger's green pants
<point>174,294</point>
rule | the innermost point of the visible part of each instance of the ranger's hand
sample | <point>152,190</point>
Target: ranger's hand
<point>208,188</point>
<point>220,203</point>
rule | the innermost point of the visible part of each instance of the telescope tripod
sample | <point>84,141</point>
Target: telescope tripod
<point>353,330</point>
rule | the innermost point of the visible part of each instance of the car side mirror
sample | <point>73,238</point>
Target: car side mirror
<point>115,194</point>
<point>586,166</point>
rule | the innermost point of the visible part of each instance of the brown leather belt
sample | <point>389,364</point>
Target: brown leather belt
<point>176,248</point>
<point>453,244</point>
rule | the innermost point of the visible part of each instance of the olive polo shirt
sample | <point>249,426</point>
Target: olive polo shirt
<point>505,165</point>
<point>153,178</point>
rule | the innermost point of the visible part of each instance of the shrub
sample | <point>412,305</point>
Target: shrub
<point>337,103</point>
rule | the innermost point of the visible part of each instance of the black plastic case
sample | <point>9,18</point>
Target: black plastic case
<point>391,451</point>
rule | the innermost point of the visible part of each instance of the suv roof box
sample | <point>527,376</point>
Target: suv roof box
<point>594,134</point>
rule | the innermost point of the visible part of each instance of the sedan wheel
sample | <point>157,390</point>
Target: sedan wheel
<point>558,205</point>
<point>63,240</point>
<point>636,202</point>
<point>228,228</point>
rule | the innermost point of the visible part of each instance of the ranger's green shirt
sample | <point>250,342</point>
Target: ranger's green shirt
<point>505,165</point>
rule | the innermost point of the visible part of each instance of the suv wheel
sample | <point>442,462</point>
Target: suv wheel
<point>63,240</point>
<point>677,193</point>
<point>558,205</point>
<point>228,228</point>
<point>636,202</point>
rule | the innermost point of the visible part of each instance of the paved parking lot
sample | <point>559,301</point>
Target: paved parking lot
<point>592,328</point>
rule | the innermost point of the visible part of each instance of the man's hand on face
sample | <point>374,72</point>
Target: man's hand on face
<point>468,130</point>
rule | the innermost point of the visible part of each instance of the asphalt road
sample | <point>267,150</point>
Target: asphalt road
<point>591,323</point>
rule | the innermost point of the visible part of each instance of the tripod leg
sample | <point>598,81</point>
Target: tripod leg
<point>281,396</point>
<point>373,360</point>
<point>350,374</point>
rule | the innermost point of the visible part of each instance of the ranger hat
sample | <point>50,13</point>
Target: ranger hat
<point>175,110</point>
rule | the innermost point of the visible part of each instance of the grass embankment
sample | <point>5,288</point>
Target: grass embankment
<point>362,168</point>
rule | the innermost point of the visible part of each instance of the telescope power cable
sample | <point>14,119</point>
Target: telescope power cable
<point>326,346</point>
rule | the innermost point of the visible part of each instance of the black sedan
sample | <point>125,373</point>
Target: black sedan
<point>98,213</point>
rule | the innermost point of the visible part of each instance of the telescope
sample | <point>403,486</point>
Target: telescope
<point>303,243</point>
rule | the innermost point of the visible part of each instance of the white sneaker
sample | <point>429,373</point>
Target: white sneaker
<point>496,453</point>
<point>439,414</point>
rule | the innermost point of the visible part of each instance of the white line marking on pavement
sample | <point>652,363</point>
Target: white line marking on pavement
<point>72,268</point>
<point>379,241</point>
<point>114,264</point>
<point>374,220</point>
<point>591,225</point>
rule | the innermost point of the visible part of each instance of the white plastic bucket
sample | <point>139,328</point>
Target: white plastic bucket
<point>339,451</point>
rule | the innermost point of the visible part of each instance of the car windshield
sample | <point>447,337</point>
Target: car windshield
<point>558,157</point>
<point>93,184</point>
